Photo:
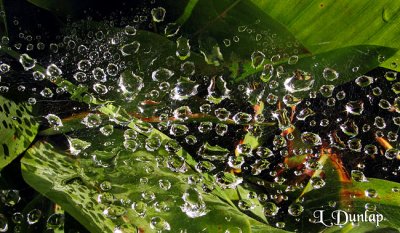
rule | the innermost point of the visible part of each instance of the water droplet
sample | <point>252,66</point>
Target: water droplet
<point>10,197</point>
<point>235,162</point>
<point>107,130</point>
<point>355,107</point>
<point>130,48</point>
<point>354,144</point>
<point>304,113</point>
<point>205,127</point>
<point>158,14</point>
<point>283,119</point>
<point>4,68</point>
<point>392,153</point>
<point>242,118</point>
<point>171,29</point>
<point>206,151</point>
<point>99,74</point>
<point>27,62</point>
<point>176,164</point>
<point>164,184</point>
<point>259,166</point>
<point>84,65</point>
<point>257,59</point>
<point>193,206</point>
<point>330,74</point>
<point>227,42</point>
<point>326,90</point>
<point>396,88</point>
<point>270,209</point>
<point>358,176</point>
<point>221,129</point>
<point>76,146</point>
<point>55,221</point>
<point>295,209</point>
<point>268,72</point>
<point>379,122</point>
<point>161,74</point>
<point>317,182</point>
<point>364,81</point>
<point>17,218</point>
<point>300,81</point>
<point>33,216</point>
<point>130,30</point>
<point>80,76</point>
<point>228,180</point>
<point>130,85</point>
<point>371,193</point>
<point>140,208</point>
<point>54,121</point>
<point>246,205</point>
<point>153,142</point>
<point>178,130</point>
<point>350,128</point>
<point>290,100</point>
<point>391,76</point>
<point>100,89</point>
<point>370,149</point>
<point>182,113</point>
<point>53,71</point>
<point>182,48</point>
<point>131,145</point>
<point>217,90</point>
<point>293,60</point>
<point>311,139</point>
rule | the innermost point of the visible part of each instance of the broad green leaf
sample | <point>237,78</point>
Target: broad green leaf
<point>211,22</point>
<point>75,183</point>
<point>329,24</point>
<point>341,192</point>
<point>361,57</point>
<point>258,208</point>
<point>18,128</point>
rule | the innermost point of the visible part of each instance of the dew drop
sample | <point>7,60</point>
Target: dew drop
<point>27,62</point>
<point>330,74</point>
<point>257,59</point>
<point>158,14</point>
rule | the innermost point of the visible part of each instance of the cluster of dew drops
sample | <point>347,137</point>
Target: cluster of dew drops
<point>96,61</point>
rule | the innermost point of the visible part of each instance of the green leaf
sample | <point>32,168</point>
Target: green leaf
<point>343,193</point>
<point>18,128</point>
<point>329,24</point>
<point>226,19</point>
<point>75,183</point>
<point>258,209</point>
<point>342,60</point>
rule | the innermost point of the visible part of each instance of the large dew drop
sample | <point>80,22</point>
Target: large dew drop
<point>257,59</point>
<point>300,81</point>
<point>193,206</point>
<point>27,62</point>
<point>130,85</point>
<point>213,153</point>
<point>330,74</point>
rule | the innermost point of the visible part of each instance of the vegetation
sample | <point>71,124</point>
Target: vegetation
<point>198,115</point>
